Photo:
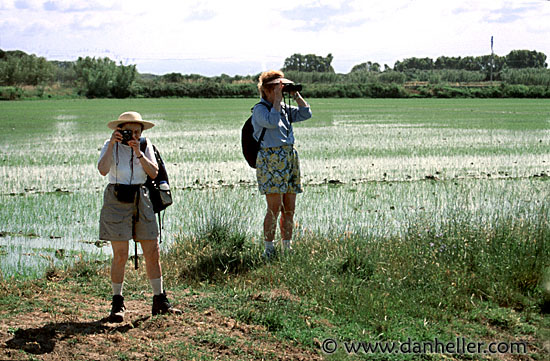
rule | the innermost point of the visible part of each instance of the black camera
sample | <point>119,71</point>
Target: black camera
<point>127,135</point>
<point>291,87</point>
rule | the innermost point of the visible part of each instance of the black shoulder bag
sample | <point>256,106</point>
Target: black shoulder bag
<point>159,188</point>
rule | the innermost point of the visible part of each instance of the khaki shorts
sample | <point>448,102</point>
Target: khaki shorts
<point>115,221</point>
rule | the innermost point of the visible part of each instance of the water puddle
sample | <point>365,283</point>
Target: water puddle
<point>29,255</point>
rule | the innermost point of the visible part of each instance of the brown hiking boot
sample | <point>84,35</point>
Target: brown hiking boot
<point>161,305</point>
<point>117,309</point>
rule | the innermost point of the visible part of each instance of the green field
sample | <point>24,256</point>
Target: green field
<point>419,219</point>
<point>368,166</point>
<point>381,150</point>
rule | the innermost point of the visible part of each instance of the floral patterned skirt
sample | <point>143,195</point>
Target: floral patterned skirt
<point>278,170</point>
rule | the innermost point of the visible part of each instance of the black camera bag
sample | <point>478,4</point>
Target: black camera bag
<point>126,193</point>
<point>250,145</point>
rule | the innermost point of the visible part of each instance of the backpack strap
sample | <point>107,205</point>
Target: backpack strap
<point>142,144</point>
<point>263,129</point>
<point>262,136</point>
<point>142,147</point>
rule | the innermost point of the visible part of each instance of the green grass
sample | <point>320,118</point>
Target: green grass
<point>465,278</point>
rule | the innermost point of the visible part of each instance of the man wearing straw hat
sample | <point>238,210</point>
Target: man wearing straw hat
<point>127,211</point>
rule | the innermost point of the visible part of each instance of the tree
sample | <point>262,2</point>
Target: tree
<point>124,77</point>
<point>526,59</point>
<point>295,62</point>
<point>469,63</point>
<point>172,78</point>
<point>309,63</point>
<point>95,76</point>
<point>64,72</point>
<point>414,64</point>
<point>19,68</point>
<point>445,62</point>
<point>368,66</point>
<point>102,78</point>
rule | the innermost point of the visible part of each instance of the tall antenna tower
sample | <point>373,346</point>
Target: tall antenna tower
<point>492,60</point>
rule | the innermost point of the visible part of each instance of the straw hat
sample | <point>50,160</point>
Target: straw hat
<point>130,117</point>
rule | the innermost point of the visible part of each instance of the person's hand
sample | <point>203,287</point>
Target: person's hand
<point>134,144</point>
<point>278,92</point>
<point>116,137</point>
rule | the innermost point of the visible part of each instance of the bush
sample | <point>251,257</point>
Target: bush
<point>514,91</point>
<point>392,77</point>
<point>194,89</point>
<point>539,92</point>
<point>11,93</point>
<point>451,92</point>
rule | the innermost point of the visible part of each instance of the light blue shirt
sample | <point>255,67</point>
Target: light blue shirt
<point>278,127</point>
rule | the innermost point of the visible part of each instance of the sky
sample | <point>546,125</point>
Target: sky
<point>211,37</point>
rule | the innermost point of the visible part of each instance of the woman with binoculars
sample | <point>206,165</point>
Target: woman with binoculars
<point>277,164</point>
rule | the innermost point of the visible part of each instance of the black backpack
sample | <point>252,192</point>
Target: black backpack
<point>159,191</point>
<point>249,144</point>
<point>159,188</point>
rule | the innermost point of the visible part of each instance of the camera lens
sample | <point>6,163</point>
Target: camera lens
<point>126,135</point>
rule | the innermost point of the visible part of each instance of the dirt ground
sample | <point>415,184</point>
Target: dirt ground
<point>71,326</point>
<point>59,322</point>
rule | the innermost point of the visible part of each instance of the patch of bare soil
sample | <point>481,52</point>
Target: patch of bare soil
<point>69,326</point>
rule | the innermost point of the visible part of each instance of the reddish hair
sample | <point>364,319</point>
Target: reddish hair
<point>265,78</point>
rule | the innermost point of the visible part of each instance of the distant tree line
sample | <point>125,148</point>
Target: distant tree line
<point>521,73</point>
<point>516,59</point>
<point>91,77</point>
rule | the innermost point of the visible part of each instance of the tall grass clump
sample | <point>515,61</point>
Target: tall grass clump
<point>218,248</point>
<point>429,271</point>
<point>469,259</point>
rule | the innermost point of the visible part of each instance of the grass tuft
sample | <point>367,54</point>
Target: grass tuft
<point>218,249</point>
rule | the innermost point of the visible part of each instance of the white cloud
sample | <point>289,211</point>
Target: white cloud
<point>77,6</point>
<point>253,31</point>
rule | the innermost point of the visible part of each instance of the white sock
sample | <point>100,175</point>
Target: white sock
<point>269,247</point>
<point>157,285</point>
<point>117,288</point>
<point>287,243</point>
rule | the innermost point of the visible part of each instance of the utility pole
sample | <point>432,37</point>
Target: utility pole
<point>492,62</point>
